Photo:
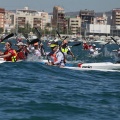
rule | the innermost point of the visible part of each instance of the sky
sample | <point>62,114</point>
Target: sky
<point>68,5</point>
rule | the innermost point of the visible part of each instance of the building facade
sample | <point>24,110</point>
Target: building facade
<point>2,18</point>
<point>74,25</point>
<point>59,20</point>
<point>31,17</point>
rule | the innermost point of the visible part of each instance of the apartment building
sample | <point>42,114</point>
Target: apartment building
<point>59,20</point>
<point>116,17</point>
<point>2,17</point>
<point>32,17</point>
<point>74,24</point>
<point>87,16</point>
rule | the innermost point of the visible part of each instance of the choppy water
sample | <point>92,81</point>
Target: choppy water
<point>33,91</point>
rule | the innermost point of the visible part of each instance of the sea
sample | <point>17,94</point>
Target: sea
<point>30,90</point>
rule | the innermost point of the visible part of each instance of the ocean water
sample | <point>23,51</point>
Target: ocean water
<point>33,91</point>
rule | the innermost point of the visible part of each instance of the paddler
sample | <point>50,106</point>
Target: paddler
<point>9,54</point>
<point>66,49</point>
<point>118,55</point>
<point>94,50</point>
<point>21,53</point>
<point>56,57</point>
<point>85,46</point>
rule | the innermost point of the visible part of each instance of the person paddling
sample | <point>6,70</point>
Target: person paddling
<point>66,49</point>
<point>56,57</point>
<point>21,53</point>
<point>118,55</point>
<point>9,54</point>
<point>94,50</point>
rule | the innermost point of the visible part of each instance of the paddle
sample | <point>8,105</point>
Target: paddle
<point>38,34</point>
<point>58,34</point>
<point>8,36</point>
<point>115,41</point>
<point>34,41</point>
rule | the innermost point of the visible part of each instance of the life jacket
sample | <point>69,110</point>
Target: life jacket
<point>64,50</point>
<point>13,56</point>
<point>54,57</point>
<point>21,55</point>
<point>85,46</point>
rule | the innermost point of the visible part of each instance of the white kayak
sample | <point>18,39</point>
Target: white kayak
<point>97,66</point>
<point>3,61</point>
<point>92,66</point>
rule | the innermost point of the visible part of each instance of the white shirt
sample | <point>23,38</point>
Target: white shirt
<point>94,51</point>
<point>37,52</point>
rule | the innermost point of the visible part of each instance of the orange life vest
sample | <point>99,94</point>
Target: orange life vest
<point>53,56</point>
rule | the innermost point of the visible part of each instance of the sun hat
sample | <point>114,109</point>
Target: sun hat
<point>20,43</point>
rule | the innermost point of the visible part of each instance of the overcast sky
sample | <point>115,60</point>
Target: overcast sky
<point>68,5</point>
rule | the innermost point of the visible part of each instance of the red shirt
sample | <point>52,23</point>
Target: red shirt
<point>13,54</point>
<point>85,46</point>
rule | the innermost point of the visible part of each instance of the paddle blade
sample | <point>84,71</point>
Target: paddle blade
<point>58,34</point>
<point>34,41</point>
<point>8,36</point>
<point>38,33</point>
<point>114,40</point>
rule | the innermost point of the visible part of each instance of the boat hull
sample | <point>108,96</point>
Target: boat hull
<point>102,65</point>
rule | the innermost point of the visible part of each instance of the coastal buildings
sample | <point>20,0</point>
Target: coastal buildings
<point>59,20</point>
<point>74,25</point>
<point>85,23</point>
<point>2,18</point>
<point>32,17</point>
<point>116,17</point>
<point>115,25</point>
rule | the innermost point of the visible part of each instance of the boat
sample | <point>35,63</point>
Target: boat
<point>101,65</point>
<point>3,61</point>
<point>91,66</point>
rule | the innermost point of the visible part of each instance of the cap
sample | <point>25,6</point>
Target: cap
<point>35,44</point>
<point>53,45</point>
<point>20,43</point>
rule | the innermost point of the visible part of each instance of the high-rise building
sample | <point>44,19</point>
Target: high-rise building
<point>87,16</point>
<point>116,17</point>
<point>74,25</point>
<point>2,18</point>
<point>59,20</point>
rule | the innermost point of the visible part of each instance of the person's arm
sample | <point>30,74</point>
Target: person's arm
<point>1,53</point>
<point>7,55</point>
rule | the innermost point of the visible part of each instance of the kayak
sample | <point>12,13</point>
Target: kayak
<point>3,61</point>
<point>101,65</point>
<point>91,66</point>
